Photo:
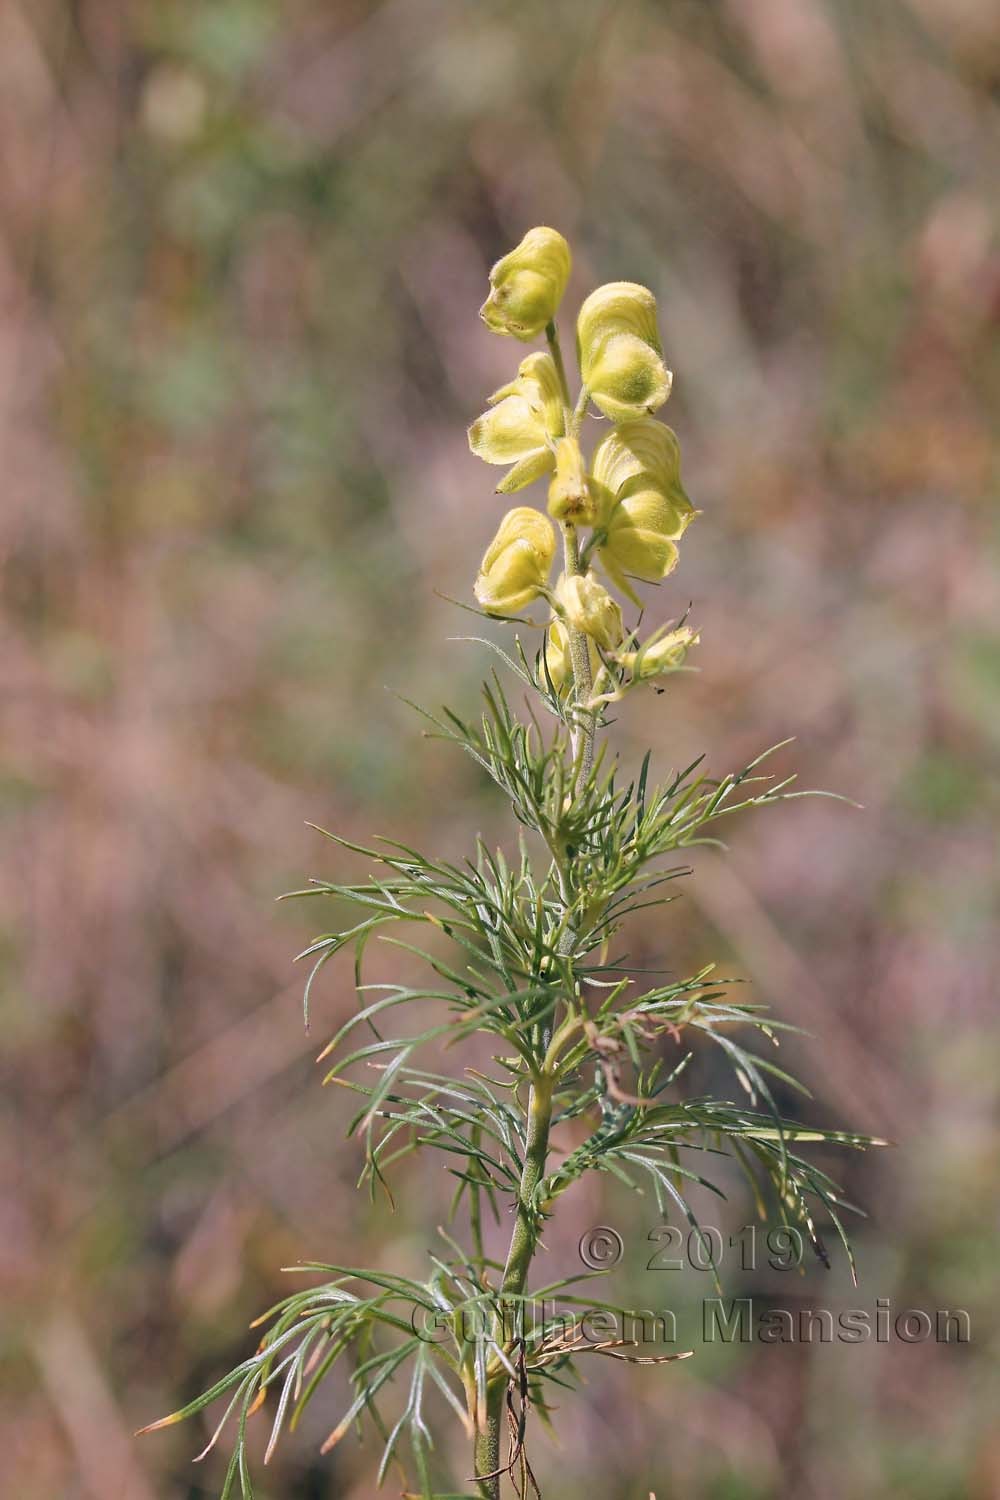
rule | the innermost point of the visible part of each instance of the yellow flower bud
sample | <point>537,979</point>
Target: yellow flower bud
<point>570,495</point>
<point>644,510</point>
<point>524,420</point>
<point>517,562</point>
<point>663,655</point>
<point>558,659</point>
<point>526,286</point>
<point>618,347</point>
<point>589,607</point>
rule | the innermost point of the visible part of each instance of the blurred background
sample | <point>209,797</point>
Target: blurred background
<point>243,246</point>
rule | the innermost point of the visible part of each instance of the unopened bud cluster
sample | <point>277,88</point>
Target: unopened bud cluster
<point>628,495</point>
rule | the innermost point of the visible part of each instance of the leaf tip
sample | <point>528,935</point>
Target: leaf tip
<point>171,1421</point>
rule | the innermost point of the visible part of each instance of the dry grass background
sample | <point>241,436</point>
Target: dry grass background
<point>242,247</point>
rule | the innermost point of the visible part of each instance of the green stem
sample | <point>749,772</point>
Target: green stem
<point>555,350</point>
<point>579,412</point>
<point>522,1241</point>
<point>488,1443</point>
<point>475,1209</point>
<point>515,1276</point>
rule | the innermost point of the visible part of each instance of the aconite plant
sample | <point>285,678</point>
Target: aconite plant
<point>521,946</point>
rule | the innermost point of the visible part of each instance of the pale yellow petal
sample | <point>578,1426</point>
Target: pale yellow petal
<point>589,607</point>
<point>626,378</point>
<point>641,446</point>
<point>517,562</point>
<point>526,286</point>
<point>509,431</point>
<point>527,470</point>
<point>616,307</point>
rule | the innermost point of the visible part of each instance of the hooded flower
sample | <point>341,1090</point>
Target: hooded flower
<point>527,285</point>
<point>589,607</point>
<point>517,562</point>
<point>524,420</point>
<point>644,510</point>
<point>618,347</point>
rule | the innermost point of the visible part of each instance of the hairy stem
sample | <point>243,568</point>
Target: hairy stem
<point>488,1443</point>
<point>515,1276</point>
<point>522,1241</point>
<point>579,412</point>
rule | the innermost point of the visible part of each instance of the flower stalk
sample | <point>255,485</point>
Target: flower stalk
<point>585,729</point>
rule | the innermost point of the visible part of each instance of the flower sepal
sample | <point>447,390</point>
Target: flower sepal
<point>526,286</point>
<point>618,347</point>
<point>522,424</point>
<point>516,565</point>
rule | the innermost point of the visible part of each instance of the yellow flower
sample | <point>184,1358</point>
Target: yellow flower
<point>662,655</point>
<point>524,420</point>
<point>526,286</point>
<point>644,510</point>
<point>589,607</point>
<point>517,562</point>
<point>558,659</point>
<point>570,495</point>
<point>618,347</point>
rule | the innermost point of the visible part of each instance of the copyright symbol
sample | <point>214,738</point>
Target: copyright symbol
<point>601,1248</point>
